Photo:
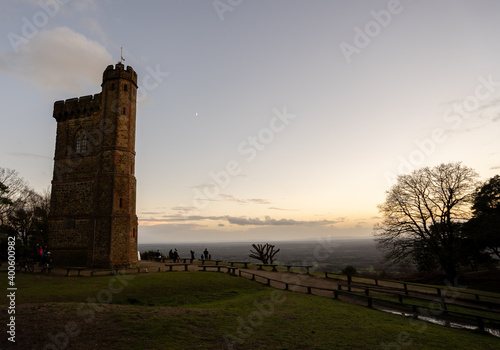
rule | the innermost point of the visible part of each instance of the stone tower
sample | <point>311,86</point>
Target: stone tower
<point>92,218</point>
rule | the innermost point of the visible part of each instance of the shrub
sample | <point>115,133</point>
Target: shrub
<point>349,270</point>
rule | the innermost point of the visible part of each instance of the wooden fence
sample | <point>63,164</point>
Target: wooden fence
<point>442,312</point>
<point>433,291</point>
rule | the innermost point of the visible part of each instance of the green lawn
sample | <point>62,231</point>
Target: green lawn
<point>200,310</point>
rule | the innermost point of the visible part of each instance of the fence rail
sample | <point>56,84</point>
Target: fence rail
<point>406,288</point>
<point>438,313</point>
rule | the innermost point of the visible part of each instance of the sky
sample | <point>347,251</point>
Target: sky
<point>261,120</point>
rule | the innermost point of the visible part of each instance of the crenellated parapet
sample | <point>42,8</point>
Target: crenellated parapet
<point>119,72</point>
<point>75,108</point>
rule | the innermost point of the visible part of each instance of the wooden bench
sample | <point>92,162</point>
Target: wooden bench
<point>239,262</point>
<point>96,272</point>
<point>215,261</point>
<point>178,264</point>
<point>230,269</point>
<point>307,267</point>
<point>79,269</point>
<point>272,265</point>
<point>185,260</point>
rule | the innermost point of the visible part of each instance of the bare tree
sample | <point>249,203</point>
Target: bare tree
<point>264,253</point>
<point>30,219</point>
<point>23,212</point>
<point>4,200</point>
<point>12,191</point>
<point>424,211</point>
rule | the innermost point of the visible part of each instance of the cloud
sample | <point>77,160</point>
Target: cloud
<point>268,221</point>
<point>495,167</point>
<point>241,221</point>
<point>182,218</point>
<point>231,198</point>
<point>58,59</point>
<point>184,208</point>
<point>200,217</point>
<point>468,120</point>
<point>258,201</point>
<point>95,28</point>
<point>70,6</point>
<point>85,5</point>
<point>28,155</point>
<point>274,208</point>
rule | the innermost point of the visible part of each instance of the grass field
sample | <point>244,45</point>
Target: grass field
<point>197,310</point>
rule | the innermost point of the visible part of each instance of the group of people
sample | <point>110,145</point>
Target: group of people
<point>41,255</point>
<point>175,257</point>
<point>206,255</point>
<point>172,254</point>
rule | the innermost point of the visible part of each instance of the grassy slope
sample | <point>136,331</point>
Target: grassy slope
<point>196,310</point>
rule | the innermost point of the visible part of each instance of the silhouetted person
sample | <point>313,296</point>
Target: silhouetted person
<point>176,256</point>
<point>192,255</point>
<point>46,260</point>
<point>37,254</point>
<point>171,254</point>
<point>205,252</point>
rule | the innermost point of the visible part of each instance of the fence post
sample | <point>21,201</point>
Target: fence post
<point>406,288</point>
<point>339,287</point>
<point>335,294</point>
<point>376,282</point>
<point>308,290</point>
<point>286,286</point>
<point>438,291</point>
<point>268,282</point>
<point>400,298</point>
<point>367,291</point>
<point>443,303</point>
<point>370,302</point>
<point>480,323</point>
<point>253,277</point>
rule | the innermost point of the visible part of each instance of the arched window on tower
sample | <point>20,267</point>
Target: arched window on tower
<point>81,143</point>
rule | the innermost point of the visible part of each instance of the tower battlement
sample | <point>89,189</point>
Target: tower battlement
<point>119,72</point>
<point>77,107</point>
